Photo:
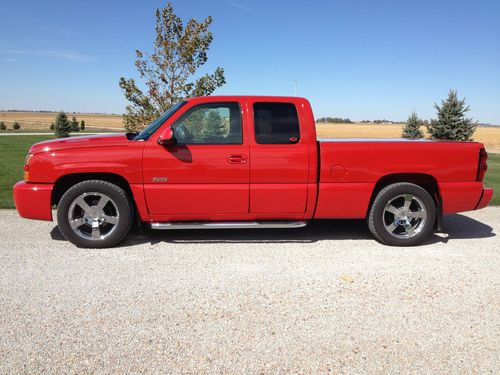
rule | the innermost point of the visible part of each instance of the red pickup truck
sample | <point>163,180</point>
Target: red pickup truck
<point>246,162</point>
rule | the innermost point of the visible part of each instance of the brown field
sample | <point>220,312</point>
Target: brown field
<point>42,121</point>
<point>490,136</point>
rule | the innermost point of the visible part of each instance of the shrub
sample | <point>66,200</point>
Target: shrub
<point>16,125</point>
<point>75,126</point>
<point>52,126</point>
<point>82,125</point>
<point>2,126</point>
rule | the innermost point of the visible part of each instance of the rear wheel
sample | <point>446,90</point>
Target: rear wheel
<point>94,214</point>
<point>402,214</point>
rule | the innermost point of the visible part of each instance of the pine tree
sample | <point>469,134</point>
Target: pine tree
<point>213,126</point>
<point>82,125</point>
<point>75,126</point>
<point>451,122</point>
<point>16,125</point>
<point>412,127</point>
<point>52,126</point>
<point>62,126</point>
<point>3,126</point>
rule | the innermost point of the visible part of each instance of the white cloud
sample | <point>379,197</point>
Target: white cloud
<point>238,5</point>
<point>65,55</point>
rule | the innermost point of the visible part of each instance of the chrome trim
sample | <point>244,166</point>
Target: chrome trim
<point>229,225</point>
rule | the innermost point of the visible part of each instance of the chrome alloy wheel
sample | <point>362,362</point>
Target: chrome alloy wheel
<point>93,216</point>
<point>404,216</point>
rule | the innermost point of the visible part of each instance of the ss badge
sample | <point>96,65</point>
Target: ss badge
<point>160,179</point>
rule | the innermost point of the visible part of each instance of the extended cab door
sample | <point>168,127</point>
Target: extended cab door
<point>207,172</point>
<point>279,158</point>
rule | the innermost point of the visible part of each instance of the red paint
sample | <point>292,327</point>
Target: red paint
<point>251,181</point>
<point>348,201</point>
<point>33,200</point>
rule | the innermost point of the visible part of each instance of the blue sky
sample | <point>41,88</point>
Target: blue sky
<point>358,59</point>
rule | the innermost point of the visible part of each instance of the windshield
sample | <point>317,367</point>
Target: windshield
<point>151,128</point>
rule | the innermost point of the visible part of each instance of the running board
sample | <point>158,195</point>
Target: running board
<point>229,225</point>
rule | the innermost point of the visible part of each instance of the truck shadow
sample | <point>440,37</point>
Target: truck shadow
<point>456,227</point>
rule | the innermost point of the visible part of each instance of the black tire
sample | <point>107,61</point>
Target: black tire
<point>102,233</point>
<point>411,225</point>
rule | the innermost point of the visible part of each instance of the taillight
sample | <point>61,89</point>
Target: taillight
<point>482,166</point>
<point>27,167</point>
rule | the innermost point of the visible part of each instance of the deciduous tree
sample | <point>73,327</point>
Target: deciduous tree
<point>170,71</point>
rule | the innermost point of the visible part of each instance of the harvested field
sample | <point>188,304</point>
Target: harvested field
<point>42,120</point>
<point>489,136</point>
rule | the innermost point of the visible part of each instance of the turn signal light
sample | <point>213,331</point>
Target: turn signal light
<point>27,167</point>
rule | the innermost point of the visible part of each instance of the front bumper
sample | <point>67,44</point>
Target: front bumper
<point>485,198</point>
<point>33,201</point>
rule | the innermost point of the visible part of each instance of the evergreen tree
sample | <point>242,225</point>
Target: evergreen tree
<point>3,126</point>
<point>62,125</point>
<point>16,125</point>
<point>451,122</point>
<point>75,126</point>
<point>171,70</point>
<point>82,125</point>
<point>213,125</point>
<point>52,126</point>
<point>412,127</point>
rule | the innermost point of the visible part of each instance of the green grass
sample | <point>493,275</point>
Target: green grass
<point>492,178</point>
<point>13,150</point>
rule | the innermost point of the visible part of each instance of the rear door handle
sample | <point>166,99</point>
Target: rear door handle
<point>237,159</point>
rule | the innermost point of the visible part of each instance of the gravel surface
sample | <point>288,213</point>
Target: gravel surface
<point>326,298</point>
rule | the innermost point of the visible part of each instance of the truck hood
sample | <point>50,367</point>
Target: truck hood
<point>100,140</point>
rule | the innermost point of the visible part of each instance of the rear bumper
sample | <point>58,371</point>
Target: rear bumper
<point>485,198</point>
<point>33,201</point>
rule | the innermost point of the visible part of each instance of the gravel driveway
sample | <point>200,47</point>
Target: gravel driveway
<point>326,298</point>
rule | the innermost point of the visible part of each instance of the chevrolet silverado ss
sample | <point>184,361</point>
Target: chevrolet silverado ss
<point>246,162</point>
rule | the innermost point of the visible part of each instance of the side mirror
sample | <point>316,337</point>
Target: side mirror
<point>167,138</point>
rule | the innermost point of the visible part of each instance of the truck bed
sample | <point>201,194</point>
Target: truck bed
<point>351,168</point>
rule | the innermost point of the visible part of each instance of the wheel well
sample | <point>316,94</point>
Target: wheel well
<point>65,182</point>
<point>425,181</point>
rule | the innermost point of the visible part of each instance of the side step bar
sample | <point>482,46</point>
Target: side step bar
<point>229,225</point>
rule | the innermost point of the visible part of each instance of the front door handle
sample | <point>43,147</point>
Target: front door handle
<point>237,159</point>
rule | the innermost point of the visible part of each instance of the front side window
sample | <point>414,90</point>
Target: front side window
<point>276,123</point>
<point>211,123</point>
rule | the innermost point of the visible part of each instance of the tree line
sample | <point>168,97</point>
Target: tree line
<point>335,120</point>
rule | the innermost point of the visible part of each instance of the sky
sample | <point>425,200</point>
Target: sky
<point>361,59</point>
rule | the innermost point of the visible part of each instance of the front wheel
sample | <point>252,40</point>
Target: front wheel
<point>402,214</point>
<point>94,214</point>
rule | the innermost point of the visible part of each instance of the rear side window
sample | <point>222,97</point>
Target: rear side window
<point>276,123</point>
